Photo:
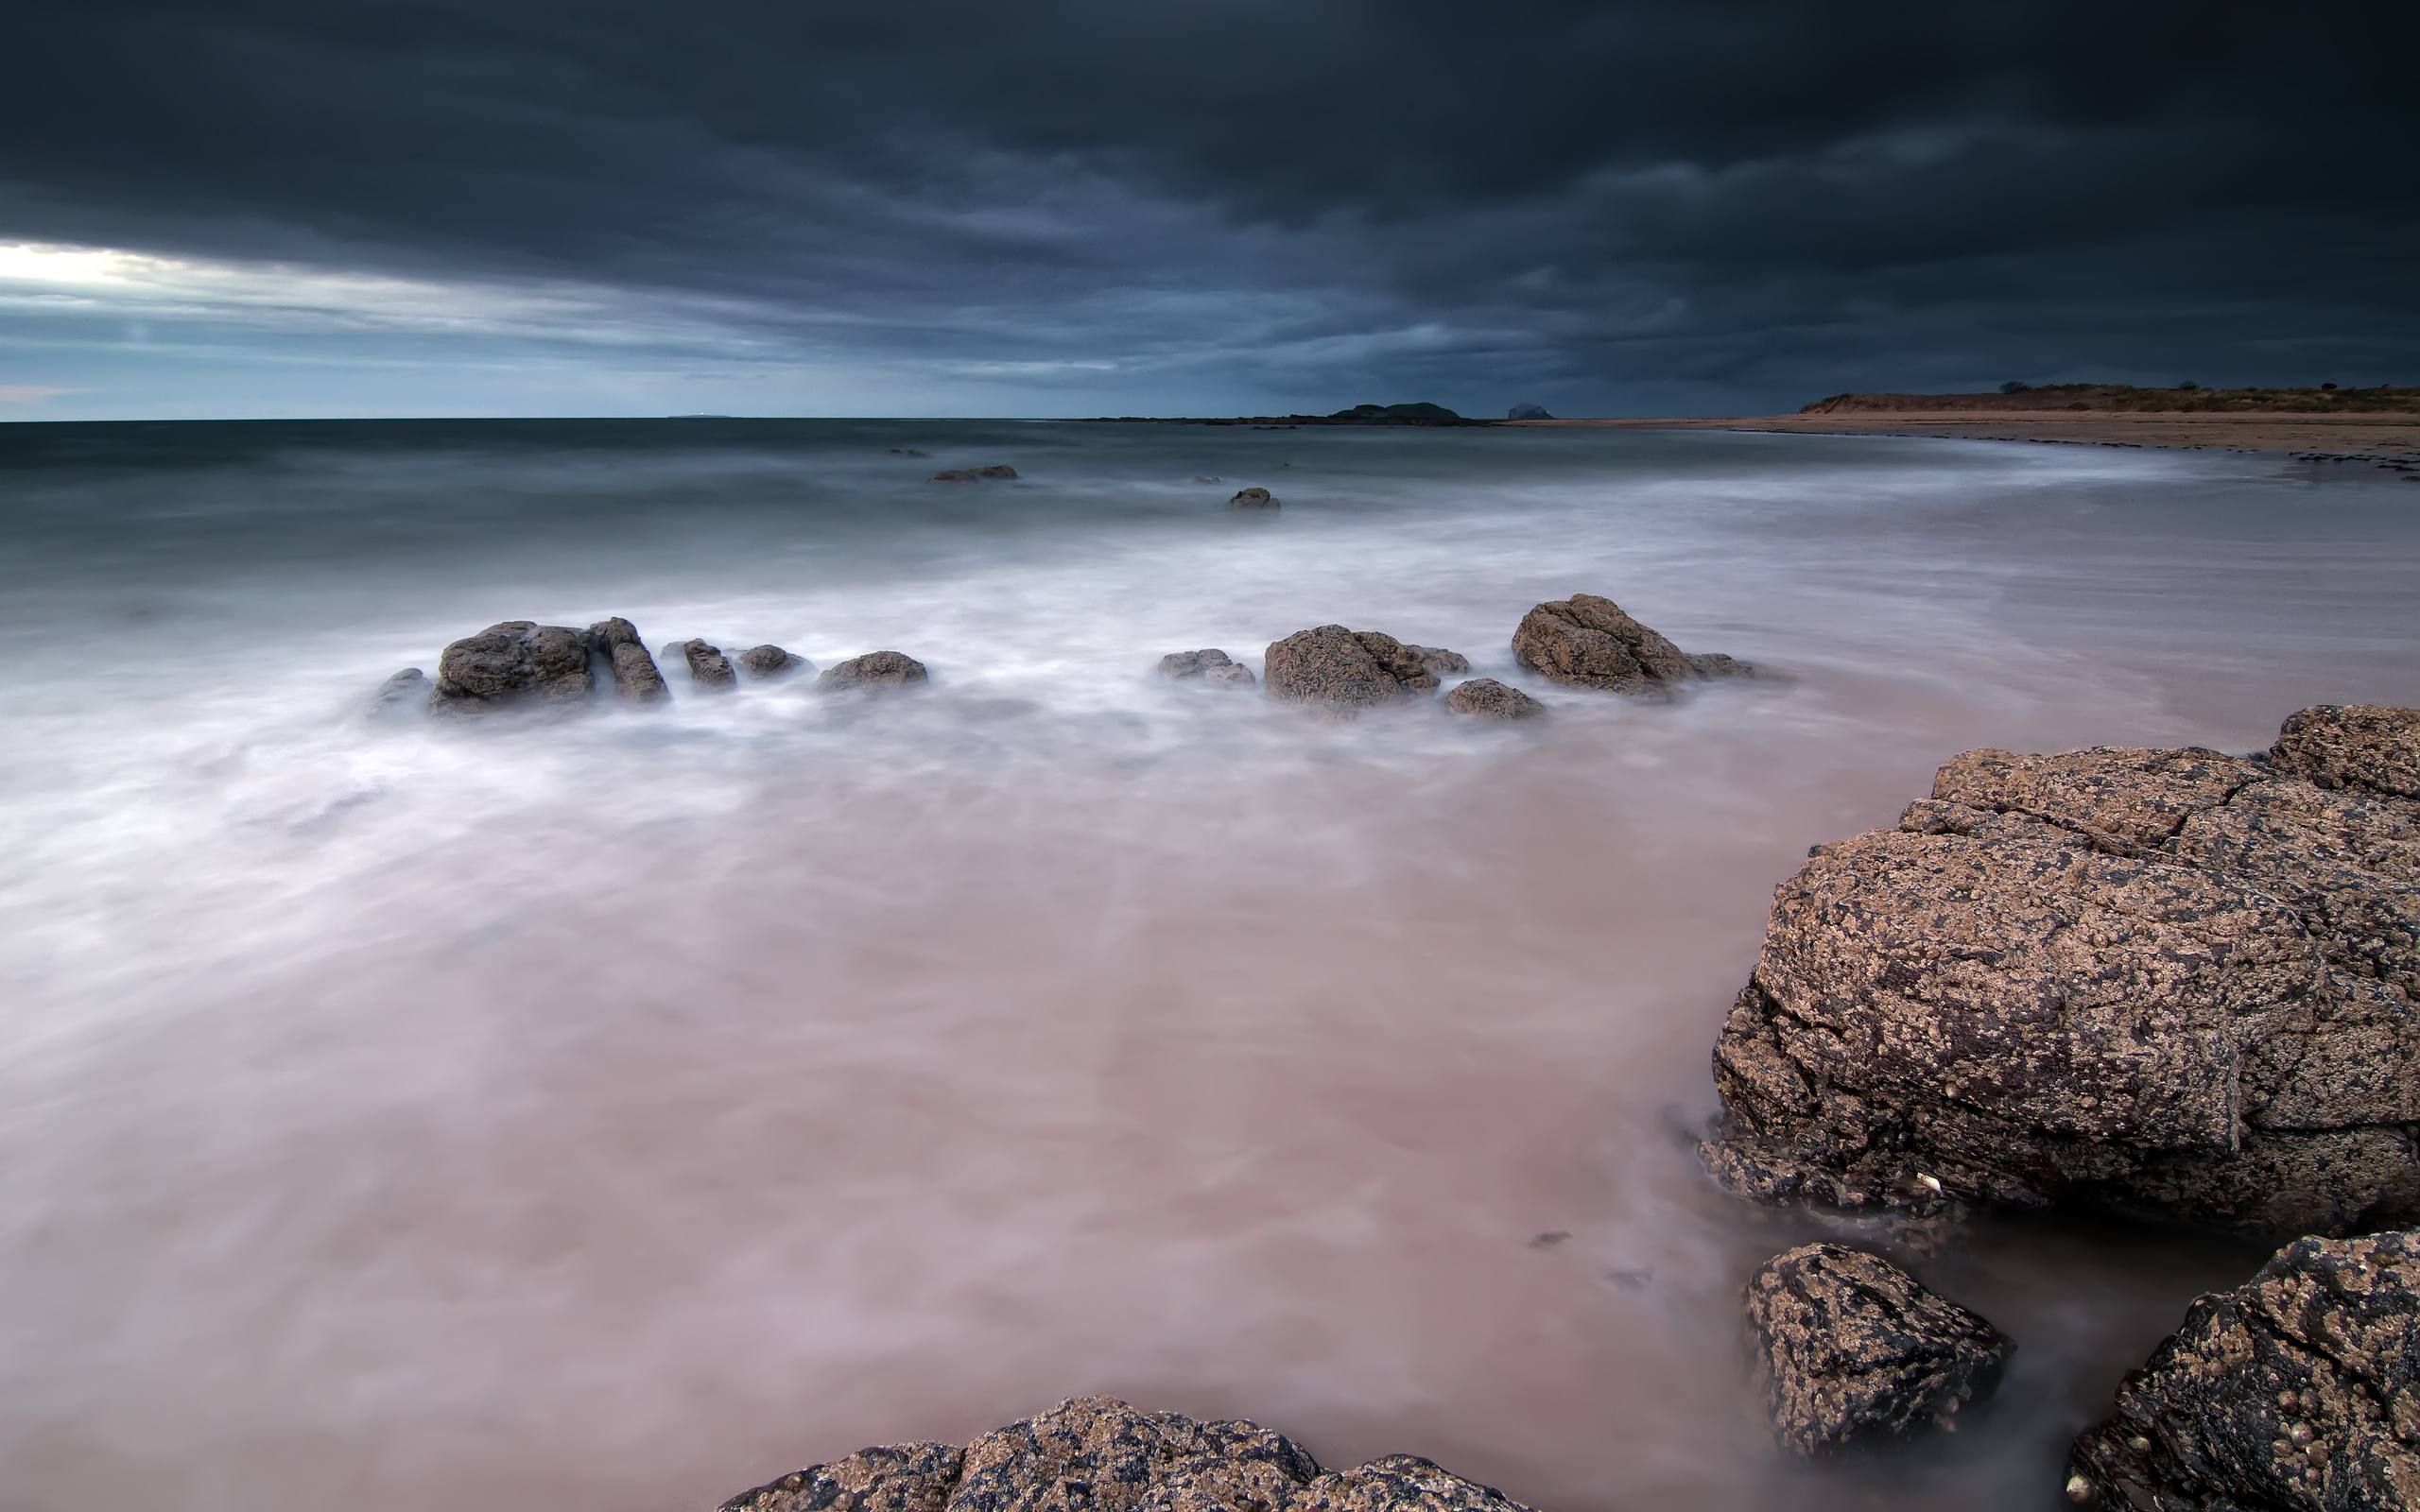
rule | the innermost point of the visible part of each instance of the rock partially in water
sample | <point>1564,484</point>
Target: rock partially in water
<point>1341,668</point>
<point>766,661</point>
<point>405,693</point>
<point>2356,746</point>
<point>1098,1455</point>
<point>1490,699</point>
<point>1590,643</point>
<point>1253,498</point>
<point>2298,1389</point>
<point>1438,659</point>
<point>875,669</point>
<point>635,677</point>
<point>515,662</point>
<point>974,475</point>
<point>708,666</point>
<point>1851,1348</point>
<point>2168,980</point>
<point>1211,666</point>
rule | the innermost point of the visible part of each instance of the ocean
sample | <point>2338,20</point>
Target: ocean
<point>627,1106</point>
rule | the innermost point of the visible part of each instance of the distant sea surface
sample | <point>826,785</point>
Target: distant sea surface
<point>619,1111</point>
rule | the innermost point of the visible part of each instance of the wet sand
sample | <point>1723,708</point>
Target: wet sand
<point>2393,438</point>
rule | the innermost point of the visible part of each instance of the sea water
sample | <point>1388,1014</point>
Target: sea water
<point>626,1107</point>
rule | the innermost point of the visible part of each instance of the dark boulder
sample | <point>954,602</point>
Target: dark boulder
<point>763,662</point>
<point>975,474</point>
<point>1211,667</point>
<point>510,663</point>
<point>1098,1455</point>
<point>2168,980</point>
<point>635,677</point>
<point>1490,699</point>
<point>1344,668</point>
<point>1850,1348</point>
<point>1253,498</point>
<point>875,669</point>
<point>2299,1389</point>
<point>708,666</point>
<point>406,693</point>
<point>1528,412</point>
<point>1590,643</point>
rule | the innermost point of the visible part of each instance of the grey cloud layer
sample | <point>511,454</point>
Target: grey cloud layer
<point>1605,206</point>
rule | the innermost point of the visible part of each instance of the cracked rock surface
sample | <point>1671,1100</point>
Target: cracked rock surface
<point>2298,1390</point>
<point>2169,980</point>
<point>1850,1348</point>
<point>1098,1455</point>
<point>1590,643</point>
<point>1329,665</point>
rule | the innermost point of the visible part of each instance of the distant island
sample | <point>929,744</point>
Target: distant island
<point>2116,398</point>
<point>1420,413</point>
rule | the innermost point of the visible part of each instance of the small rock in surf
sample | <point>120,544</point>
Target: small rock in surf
<point>708,668</point>
<point>874,670</point>
<point>1211,666</point>
<point>1252,498</point>
<point>635,675</point>
<point>974,475</point>
<point>768,661</point>
<point>1490,699</point>
<point>1329,665</point>
<point>1589,643</point>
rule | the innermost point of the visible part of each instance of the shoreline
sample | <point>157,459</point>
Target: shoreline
<point>2388,440</point>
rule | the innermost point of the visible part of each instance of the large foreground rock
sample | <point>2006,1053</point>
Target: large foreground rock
<point>2167,980</point>
<point>1590,643</point>
<point>1098,1455</point>
<point>635,677</point>
<point>875,669</point>
<point>2299,1389</point>
<point>1329,665</point>
<point>1851,1348</point>
<point>509,663</point>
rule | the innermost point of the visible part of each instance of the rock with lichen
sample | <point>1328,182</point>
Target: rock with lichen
<point>1589,641</point>
<point>2169,980</point>
<point>1331,665</point>
<point>1850,1349</point>
<point>2298,1391</point>
<point>1098,1455</point>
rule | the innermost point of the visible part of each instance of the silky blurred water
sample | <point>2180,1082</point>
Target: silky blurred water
<point>627,1107</point>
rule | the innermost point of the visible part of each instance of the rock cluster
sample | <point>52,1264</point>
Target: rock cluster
<point>1490,699</point>
<point>1851,1348</point>
<point>519,663</point>
<point>1253,498</point>
<point>2167,980</point>
<point>874,670</point>
<point>975,474</point>
<point>1211,666</point>
<point>2299,1389</point>
<point>1590,643</point>
<point>1098,1455</point>
<point>1347,669</point>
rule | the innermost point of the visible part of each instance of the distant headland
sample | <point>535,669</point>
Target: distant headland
<point>2187,398</point>
<point>1420,413</point>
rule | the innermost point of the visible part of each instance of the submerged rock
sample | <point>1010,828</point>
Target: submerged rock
<point>1332,665</point>
<point>635,677</point>
<point>1490,699</point>
<point>875,669</point>
<point>1211,666</point>
<point>1850,1346</point>
<point>763,662</point>
<point>1253,498</point>
<point>2169,980</point>
<point>513,662</point>
<point>1590,643</point>
<point>974,475</point>
<point>708,668</point>
<point>406,693</point>
<point>2298,1389</point>
<point>1098,1455</point>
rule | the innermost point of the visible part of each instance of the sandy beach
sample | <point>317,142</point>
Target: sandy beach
<point>2380,438</point>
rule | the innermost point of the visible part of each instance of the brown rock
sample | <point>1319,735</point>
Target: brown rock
<point>513,662</point>
<point>763,662</point>
<point>635,677</point>
<point>1490,699</point>
<point>975,474</point>
<point>1253,498</point>
<point>875,669</point>
<point>2166,980</point>
<point>1344,668</point>
<point>1849,1347</point>
<point>2299,1389</point>
<point>708,668</point>
<point>2354,747</point>
<point>1098,1455</point>
<point>1213,667</point>
<point>1438,659</point>
<point>1589,643</point>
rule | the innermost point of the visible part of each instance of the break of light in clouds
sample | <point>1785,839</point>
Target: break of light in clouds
<point>540,208</point>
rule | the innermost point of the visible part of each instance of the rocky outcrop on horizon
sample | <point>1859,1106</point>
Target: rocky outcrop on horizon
<point>1490,700</point>
<point>1098,1455</point>
<point>1589,641</point>
<point>2299,1389</point>
<point>1850,1348</point>
<point>1352,669</point>
<point>1528,412</point>
<point>2170,981</point>
<point>874,670</point>
<point>975,474</point>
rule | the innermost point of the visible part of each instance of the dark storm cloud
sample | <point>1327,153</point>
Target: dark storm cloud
<point>1660,206</point>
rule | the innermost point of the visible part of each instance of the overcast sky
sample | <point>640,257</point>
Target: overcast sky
<point>1160,206</point>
